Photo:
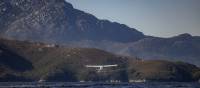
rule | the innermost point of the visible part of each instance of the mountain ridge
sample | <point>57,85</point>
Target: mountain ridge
<point>69,22</point>
<point>57,22</point>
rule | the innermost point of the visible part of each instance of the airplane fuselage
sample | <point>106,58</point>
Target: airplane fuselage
<point>100,67</point>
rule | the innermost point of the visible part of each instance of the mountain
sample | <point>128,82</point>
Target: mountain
<point>57,22</point>
<point>33,61</point>
<point>183,47</point>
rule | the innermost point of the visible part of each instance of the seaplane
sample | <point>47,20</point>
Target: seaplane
<point>100,67</point>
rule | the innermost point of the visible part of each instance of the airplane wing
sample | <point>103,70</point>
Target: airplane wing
<point>100,66</point>
<point>93,66</point>
<point>110,66</point>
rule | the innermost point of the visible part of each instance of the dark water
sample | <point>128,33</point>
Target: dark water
<point>99,85</point>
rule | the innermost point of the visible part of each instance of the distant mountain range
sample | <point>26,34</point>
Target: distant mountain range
<point>33,61</point>
<point>179,48</point>
<point>56,21</point>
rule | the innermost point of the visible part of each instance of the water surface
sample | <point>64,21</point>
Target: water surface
<point>98,85</point>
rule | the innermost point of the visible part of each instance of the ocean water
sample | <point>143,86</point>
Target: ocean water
<point>98,85</point>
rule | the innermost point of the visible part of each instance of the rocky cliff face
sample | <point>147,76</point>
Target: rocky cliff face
<point>58,21</point>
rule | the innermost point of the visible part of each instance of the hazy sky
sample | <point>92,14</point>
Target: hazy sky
<point>163,18</point>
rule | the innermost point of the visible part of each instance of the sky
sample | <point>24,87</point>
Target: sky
<point>161,18</point>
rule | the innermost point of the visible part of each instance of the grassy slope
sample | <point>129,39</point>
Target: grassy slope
<point>163,70</point>
<point>68,64</point>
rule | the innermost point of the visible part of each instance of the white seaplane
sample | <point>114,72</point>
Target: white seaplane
<point>100,67</point>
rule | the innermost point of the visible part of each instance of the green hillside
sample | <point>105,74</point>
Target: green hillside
<point>29,61</point>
